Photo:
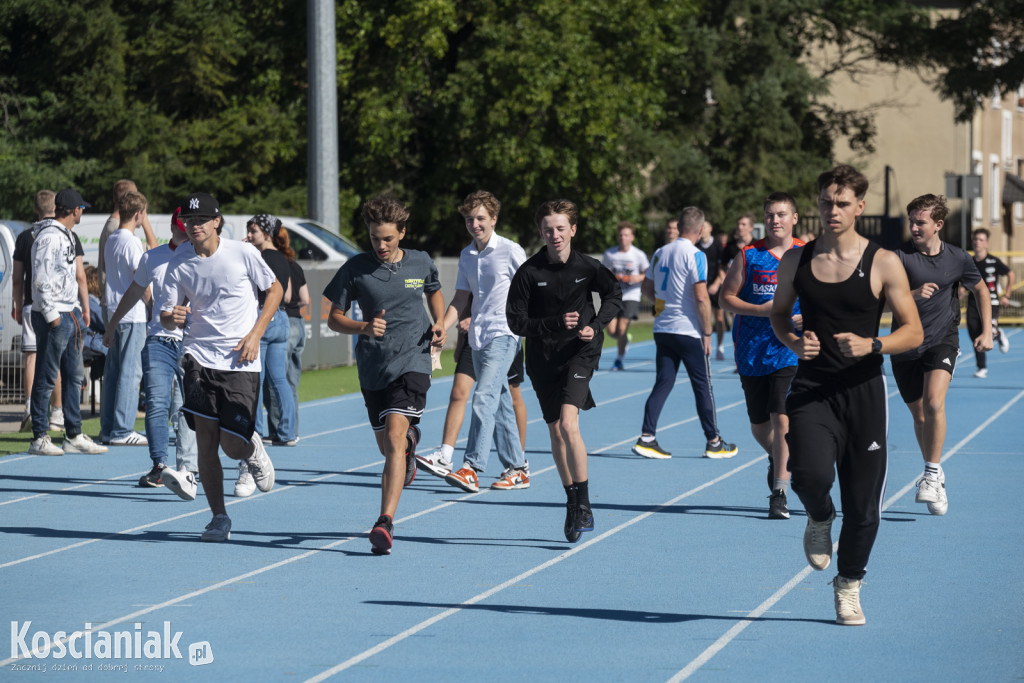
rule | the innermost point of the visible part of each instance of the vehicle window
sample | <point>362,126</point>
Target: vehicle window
<point>304,250</point>
<point>336,241</point>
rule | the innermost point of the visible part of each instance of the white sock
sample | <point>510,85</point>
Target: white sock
<point>447,451</point>
<point>782,484</point>
<point>647,438</point>
<point>933,470</point>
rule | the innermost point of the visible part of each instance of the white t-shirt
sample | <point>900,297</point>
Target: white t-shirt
<point>221,291</point>
<point>151,271</point>
<point>632,262</point>
<point>121,256</point>
<point>487,275</point>
<point>675,269</point>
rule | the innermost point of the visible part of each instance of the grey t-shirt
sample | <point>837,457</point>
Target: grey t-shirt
<point>398,290</point>
<point>940,313</point>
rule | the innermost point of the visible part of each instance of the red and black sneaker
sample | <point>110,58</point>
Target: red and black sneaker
<point>413,437</point>
<point>380,536</point>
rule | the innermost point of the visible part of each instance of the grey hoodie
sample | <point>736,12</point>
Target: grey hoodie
<point>54,271</point>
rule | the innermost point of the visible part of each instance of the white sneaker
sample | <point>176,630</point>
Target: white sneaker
<point>57,418</point>
<point>981,373</point>
<point>43,446</point>
<point>1004,342</point>
<point>818,542</point>
<point>83,444</point>
<point>260,467</point>
<point>246,485</point>
<point>182,482</point>
<point>847,596</point>
<point>720,353</point>
<point>932,490</point>
<point>218,530</point>
<point>130,439</point>
<point>434,464</point>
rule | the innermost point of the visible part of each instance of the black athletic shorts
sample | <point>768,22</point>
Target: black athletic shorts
<point>464,363</point>
<point>569,386</point>
<point>630,310</point>
<point>766,394</point>
<point>407,396</point>
<point>909,375</point>
<point>229,397</point>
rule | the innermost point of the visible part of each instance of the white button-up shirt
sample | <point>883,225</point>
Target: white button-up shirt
<point>487,275</point>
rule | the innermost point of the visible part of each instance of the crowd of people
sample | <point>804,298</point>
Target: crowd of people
<point>805,318</point>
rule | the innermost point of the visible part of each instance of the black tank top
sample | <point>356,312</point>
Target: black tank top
<point>832,307</point>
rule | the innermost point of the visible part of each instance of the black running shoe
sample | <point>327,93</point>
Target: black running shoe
<point>572,534</point>
<point>777,508</point>
<point>152,479</point>
<point>413,437</point>
<point>584,518</point>
<point>380,536</point>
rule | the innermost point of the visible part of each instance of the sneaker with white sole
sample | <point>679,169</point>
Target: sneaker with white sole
<point>83,444</point>
<point>57,418</point>
<point>218,530</point>
<point>719,449</point>
<point>435,464</point>
<point>465,479</point>
<point>512,478</point>
<point>43,446</point>
<point>847,596</point>
<point>412,439</point>
<point>182,482</point>
<point>932,490</point>
<point>650,449</point>
<point>981,373</point>
<point>130,439</point>
<point>245,485</point>
<point>777,505</point>
<point>818,542</point>
<point>152,478</point>
<point>260,467</point>
<point>1004,342</point>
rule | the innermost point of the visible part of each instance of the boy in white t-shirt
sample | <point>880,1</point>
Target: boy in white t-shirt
<point>211,294</point>
<point>629,265</point>
<point>122,370</point>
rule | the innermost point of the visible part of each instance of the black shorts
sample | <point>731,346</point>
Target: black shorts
<point>766,394</point>
<point>715,304</point>
<point>228,397</point>
<point>406,396</point>
<point>568,386</point>
<point>909,375</point>
<point>464,363</point>
<point>630,310</point>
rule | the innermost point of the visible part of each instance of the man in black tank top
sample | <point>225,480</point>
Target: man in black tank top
<point>837,401</point>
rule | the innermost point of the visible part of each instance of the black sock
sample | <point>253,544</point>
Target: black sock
<point>570,494</point>
<point>582,492</point>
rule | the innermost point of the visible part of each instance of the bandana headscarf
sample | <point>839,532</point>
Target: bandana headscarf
<point>267,223</point>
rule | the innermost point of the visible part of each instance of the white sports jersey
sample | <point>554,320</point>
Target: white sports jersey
<point>675,269</point>
<point>632,262</point>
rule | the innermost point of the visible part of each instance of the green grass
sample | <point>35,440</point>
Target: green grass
<point>315,384</point>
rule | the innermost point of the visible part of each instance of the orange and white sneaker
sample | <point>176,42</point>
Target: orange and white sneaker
<point>465,479</point>
<point>513,478</point>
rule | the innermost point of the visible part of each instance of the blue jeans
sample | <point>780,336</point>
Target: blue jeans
<point>671,349</point>
<point>273,359</point>
<point>58,350</point>
<point>492,413</point>
<point>122,373</point>
<point>164,379</point>
<point>293,371</point>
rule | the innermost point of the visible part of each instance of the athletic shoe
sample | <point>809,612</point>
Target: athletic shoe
<point>43,446</point>
<point>260,467</point>
<point>1004,342</point>
<point>26,422</point>
<point>932,490</point>
<point>847,594</point>
<point>218,530</point>
<point>512,478</point>
<point>650,449</point>
<point>269,439</point>
<point>572,534</point>
<point>720,449</point>
<point>617,365</point>
<point>57,418</point>
<point>818,542</point>
<point>981,373</point>
<point>380,536</point>
<point>245,486</point>
<point>131,439</point>
<point>777,508</point>
<point>279,442</point>
<point>720,354</point>
<point>435,464</point>
<point>413,438</point>
<point>83,444</point>
<point>152,480</point>
<point>182,482</point>
<point>584,519</point>
<point>464,479</point>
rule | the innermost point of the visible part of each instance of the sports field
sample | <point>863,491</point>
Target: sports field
<point>684,576</point>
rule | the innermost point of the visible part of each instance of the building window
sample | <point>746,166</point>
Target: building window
<point>1018,207</point>
<point>1008,139</point>
<point>994,190</point>
<point>977,207</point>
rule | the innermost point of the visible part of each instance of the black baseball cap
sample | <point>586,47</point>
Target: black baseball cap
<point>199,205</point>
<point>70,199</point>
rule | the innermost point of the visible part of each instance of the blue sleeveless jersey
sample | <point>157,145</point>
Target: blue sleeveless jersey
<point>758,350</point>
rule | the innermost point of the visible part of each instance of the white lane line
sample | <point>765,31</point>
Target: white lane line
<point>7,459</point>
<point>95,482</point>
<point>738,628</point>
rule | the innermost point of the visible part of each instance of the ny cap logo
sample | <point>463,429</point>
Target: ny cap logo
<point>193,203</point>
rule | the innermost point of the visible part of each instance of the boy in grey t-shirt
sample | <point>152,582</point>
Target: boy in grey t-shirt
<point>393,353</point>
